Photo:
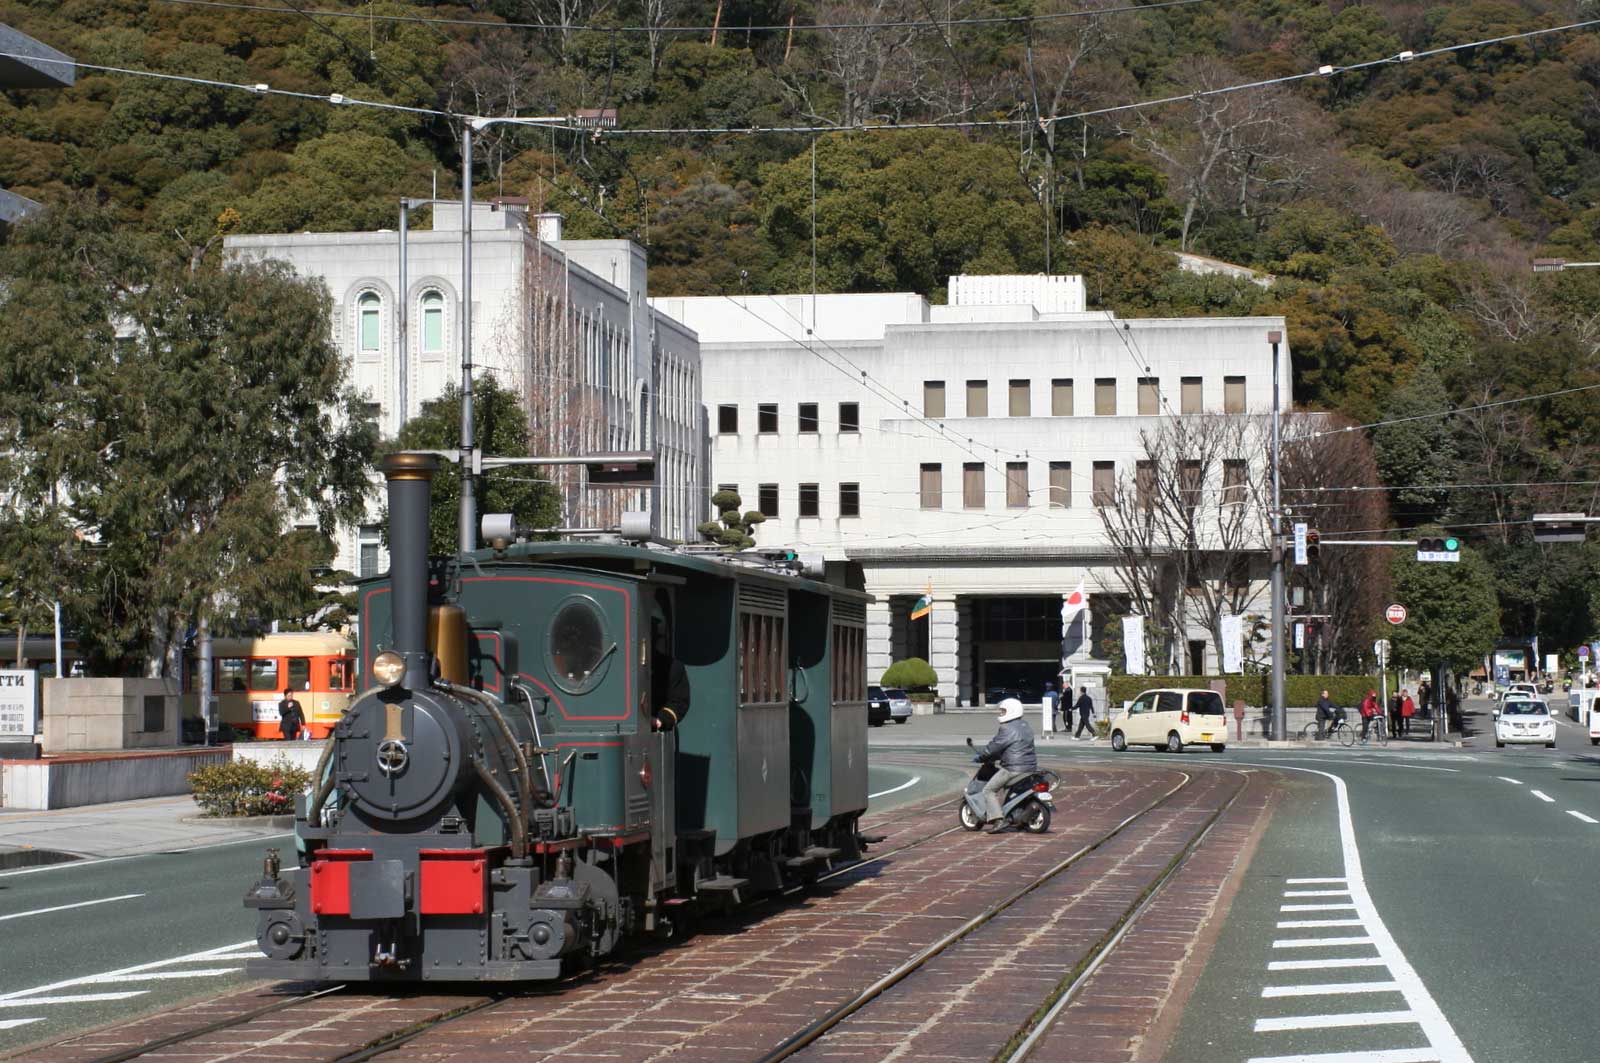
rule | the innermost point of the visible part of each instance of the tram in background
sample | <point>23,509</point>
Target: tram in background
<point>250,675</point>
<point>39,654</point>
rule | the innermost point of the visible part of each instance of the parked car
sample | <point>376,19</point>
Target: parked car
<point>899,705</point>
<point>1523,720</point>
<point>1170,720</point>
<point>877,707</point>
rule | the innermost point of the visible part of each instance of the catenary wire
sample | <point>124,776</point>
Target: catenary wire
<point>1454,410</point>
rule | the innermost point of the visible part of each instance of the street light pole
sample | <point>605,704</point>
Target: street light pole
<point>403,359</point>
<point>1280,711</point>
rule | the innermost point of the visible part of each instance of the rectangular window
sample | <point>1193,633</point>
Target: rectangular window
<point>977,398</point>
<point>1105,483</point>
<point>230,674</point>
<point>808,500</point>
<point>933,398</point>
<point>300,673</point>
<point>1021,399</point>
<point>728,487</point>
<point>1105,397</point>
<point>849,417</point>
<point>341,674</point>
<point>1191,400</point>
<point>264,674</point>
<point>808,417</point>
<point>1144,483</point>
<point>1017,484</point>
<point>433,326</point>
<point>1233,481</point>
<point>972,485</point>
<point>1149,396</point>
<point>728,419</point>
<point>1192,483</point>
<point>1060,398</point>
<point>369,541</point>
<point>1233,394</point>
<point>932,486</point>
<point>768,500</point>
<point>849,500</point>
<point>767,418</point>
<point>1060,484</point>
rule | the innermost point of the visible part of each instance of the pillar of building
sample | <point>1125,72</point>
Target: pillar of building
<point>944,646</point>
<point>965,680</point>
<point>879,656</point>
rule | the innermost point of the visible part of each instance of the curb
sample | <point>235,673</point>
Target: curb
<point>279,822</point>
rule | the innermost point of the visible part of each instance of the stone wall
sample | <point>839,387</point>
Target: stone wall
<point>82,715</point>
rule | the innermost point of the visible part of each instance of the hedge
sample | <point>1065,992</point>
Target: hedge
<point>245,788</point>
<point>911,673</point>
<point>1299,690</point>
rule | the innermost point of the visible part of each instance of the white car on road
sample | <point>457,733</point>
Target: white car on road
<point>1523,719</point>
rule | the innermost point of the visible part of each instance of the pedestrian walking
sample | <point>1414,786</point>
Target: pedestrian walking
<point>1085,707</point>
<point>1370,711</point>
<point>290,718</point>
<point>1408,709</point>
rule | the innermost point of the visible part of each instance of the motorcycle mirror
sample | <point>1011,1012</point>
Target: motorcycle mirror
<point>969,741</point>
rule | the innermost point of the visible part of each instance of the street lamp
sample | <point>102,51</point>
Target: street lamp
<point>1556,265</point>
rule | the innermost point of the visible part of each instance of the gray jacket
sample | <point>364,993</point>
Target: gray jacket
<point>1012,747</point>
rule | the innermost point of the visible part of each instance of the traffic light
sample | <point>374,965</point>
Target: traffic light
<point>1313,545</point>
<point>1446,548</point>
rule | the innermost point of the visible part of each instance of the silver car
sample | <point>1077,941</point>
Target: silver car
<point>899,705</point>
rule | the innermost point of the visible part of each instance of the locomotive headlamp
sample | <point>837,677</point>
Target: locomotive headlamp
<point>388,668</point>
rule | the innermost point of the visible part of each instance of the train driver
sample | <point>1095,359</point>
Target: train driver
<point>669,681</point>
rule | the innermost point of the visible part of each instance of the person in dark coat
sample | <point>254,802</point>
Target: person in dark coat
<point>669,680</point>
<point>1012,750</point>
<point>290,716</point>
<point>1395,701</point>
<point>1085,707</point>
<point>1327,713</point>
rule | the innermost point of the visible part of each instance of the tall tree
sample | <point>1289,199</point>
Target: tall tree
<point>1454,615</point>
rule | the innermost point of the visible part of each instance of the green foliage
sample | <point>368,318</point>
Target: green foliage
<point>1421,451</point>
<point>913,673</point>
<point>1454,614</point>
<point>730,529</point>
<point>246,788</point>
<point>1253,690</point>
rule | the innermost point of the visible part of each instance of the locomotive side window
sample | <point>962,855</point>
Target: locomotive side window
<point>577,645</point>
<point>849,669</point>
<point>761,672</point>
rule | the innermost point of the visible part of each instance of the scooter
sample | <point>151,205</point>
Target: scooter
<point>1026,803</point>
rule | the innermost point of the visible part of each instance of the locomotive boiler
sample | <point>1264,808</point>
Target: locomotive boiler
<point>513,795</point>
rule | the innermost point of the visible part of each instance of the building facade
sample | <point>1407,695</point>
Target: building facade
<point>567,324</point>
<point>965,452</point>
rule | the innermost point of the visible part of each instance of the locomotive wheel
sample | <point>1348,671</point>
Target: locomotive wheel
<point>969,819</point>
<point>1038,820</point>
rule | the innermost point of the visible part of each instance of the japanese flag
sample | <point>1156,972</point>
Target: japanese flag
<point>1073,605</point>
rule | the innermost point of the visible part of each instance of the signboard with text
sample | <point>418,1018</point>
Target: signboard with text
<point>1395,614</point>
<point>19,704</point>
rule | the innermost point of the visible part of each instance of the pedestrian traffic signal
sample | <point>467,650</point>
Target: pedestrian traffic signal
<point>1446,548</point>
<point>1313,545</point>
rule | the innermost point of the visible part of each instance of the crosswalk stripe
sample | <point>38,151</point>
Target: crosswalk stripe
<point>1317,989</point>
<point>1319,965</point>
<point>78,998</point>
<point>1386,1055</point>
<point>1316,893</point>
<point>1317,943</point>
<point>1316,907</point>
<point>1313,881</point>
<point>1329,1022</point>
<point>9,1024</point>
<point>1312,924</point>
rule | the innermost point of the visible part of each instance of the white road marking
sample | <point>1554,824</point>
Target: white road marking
<point>1316,907</point>
<point>1580,815</point>
<point>77,998</point>
<point>1321,965</point>
<point>1328,1022</point>
<point>152,976</point>
<point>64,907</point>
<point>8,1024</point>
<point>1313,924</point>
<point>1317,989</point>
<point>903,786</point>
<point>1312,881</point>
<point>1541,795</point>
<point>61,866</point>
<point>1318,943</point>
<point>1316,893</point>
<point>1387,1055</point>
<point>1509,779</point>
<point>111,976</point>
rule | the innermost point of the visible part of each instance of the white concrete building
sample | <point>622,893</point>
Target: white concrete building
<point>565,323</point>
<point>961,449</point>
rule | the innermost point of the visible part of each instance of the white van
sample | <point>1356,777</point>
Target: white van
<point>1170,720</point>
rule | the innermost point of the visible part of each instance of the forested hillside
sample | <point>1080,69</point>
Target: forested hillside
<point>1397,205</point>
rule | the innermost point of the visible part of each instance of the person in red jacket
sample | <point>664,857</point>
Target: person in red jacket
<point>1369,710</point>
<point>1408,709</point>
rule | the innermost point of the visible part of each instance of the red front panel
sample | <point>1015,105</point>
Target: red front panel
<point>454,881</point>
<point>330,879</point>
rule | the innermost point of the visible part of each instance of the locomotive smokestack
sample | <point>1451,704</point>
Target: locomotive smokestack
<point>410,479</point>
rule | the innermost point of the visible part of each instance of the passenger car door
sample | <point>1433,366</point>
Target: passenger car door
<point>1167,717</point>
<point>1138,720</point>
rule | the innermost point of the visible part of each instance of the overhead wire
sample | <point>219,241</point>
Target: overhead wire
<point>1454,410</point>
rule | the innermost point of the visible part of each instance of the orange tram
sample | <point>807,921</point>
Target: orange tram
<point>250,675</point>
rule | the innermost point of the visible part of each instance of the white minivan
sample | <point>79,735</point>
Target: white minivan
<point>1170,720</point>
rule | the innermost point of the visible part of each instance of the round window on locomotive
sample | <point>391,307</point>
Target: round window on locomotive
<point>578,647</point>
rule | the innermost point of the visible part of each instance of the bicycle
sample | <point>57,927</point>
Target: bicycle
<point>1377,731</point>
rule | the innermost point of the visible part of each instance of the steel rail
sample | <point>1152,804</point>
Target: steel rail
<point>212,1027</point>
<point>818,1027</point>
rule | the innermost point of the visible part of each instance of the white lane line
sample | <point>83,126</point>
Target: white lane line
<point>77,998</point>
<point>1316,907</point>
<point>151,976</point>
<point>1322,965</point>
<point>58,867</point>
<point>1509,779</point>
<point>111,976</point>
<point>1329,1022</point>
<point>1317,989</point>
<point>1316,893</point>
<point>64,907</point>
<point>903,786</point>
<point>1541,795</point>
<point>1314,924</point>
<point>1444,1043</point>
<point>1319,943</point>
<point>1312,881</point>
<point>1580,815</point>
<point>9,1024</point>
<point>1387,1055</point>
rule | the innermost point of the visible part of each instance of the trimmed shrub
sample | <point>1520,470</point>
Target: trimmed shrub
<point>1299,691</point>
<point>245,788</point>
<point>913,672</point>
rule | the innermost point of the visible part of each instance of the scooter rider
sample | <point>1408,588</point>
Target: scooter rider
<point>1012,751</point>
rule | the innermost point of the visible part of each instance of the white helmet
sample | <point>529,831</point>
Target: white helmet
<point>1010,709</point>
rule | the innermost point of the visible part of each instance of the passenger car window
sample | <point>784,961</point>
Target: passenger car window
<point>1170,701</point>
<point>1206,702</point>
<point>1141,703</point>
<point>264,673</point>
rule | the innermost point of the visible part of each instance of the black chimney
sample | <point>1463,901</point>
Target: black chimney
<point>410,479</point>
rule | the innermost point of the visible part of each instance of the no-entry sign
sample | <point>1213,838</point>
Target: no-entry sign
<point>1395,614</point>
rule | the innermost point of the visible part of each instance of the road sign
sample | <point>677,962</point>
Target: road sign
<point>1395,614</point>
<point>1299,544</point>
<point>1560,527</point>
<point>1381,649</point>
<point>1583,652</point>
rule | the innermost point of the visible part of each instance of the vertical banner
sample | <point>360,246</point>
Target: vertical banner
<point>1133,643</point>
<point>1233,643</point>
<point>1300,636</point>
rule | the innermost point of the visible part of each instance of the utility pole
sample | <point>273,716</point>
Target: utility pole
<point>1280,711</point>
<point>403,317</point>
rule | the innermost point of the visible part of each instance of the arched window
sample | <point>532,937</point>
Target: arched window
<point>433,322</point>
<point>367,308</point>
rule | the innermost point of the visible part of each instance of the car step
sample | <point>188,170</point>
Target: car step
<point>721,884</point>
<point>811,856</point>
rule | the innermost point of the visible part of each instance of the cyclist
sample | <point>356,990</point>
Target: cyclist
<point>1370,710</point>
<point>1327,711</point>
